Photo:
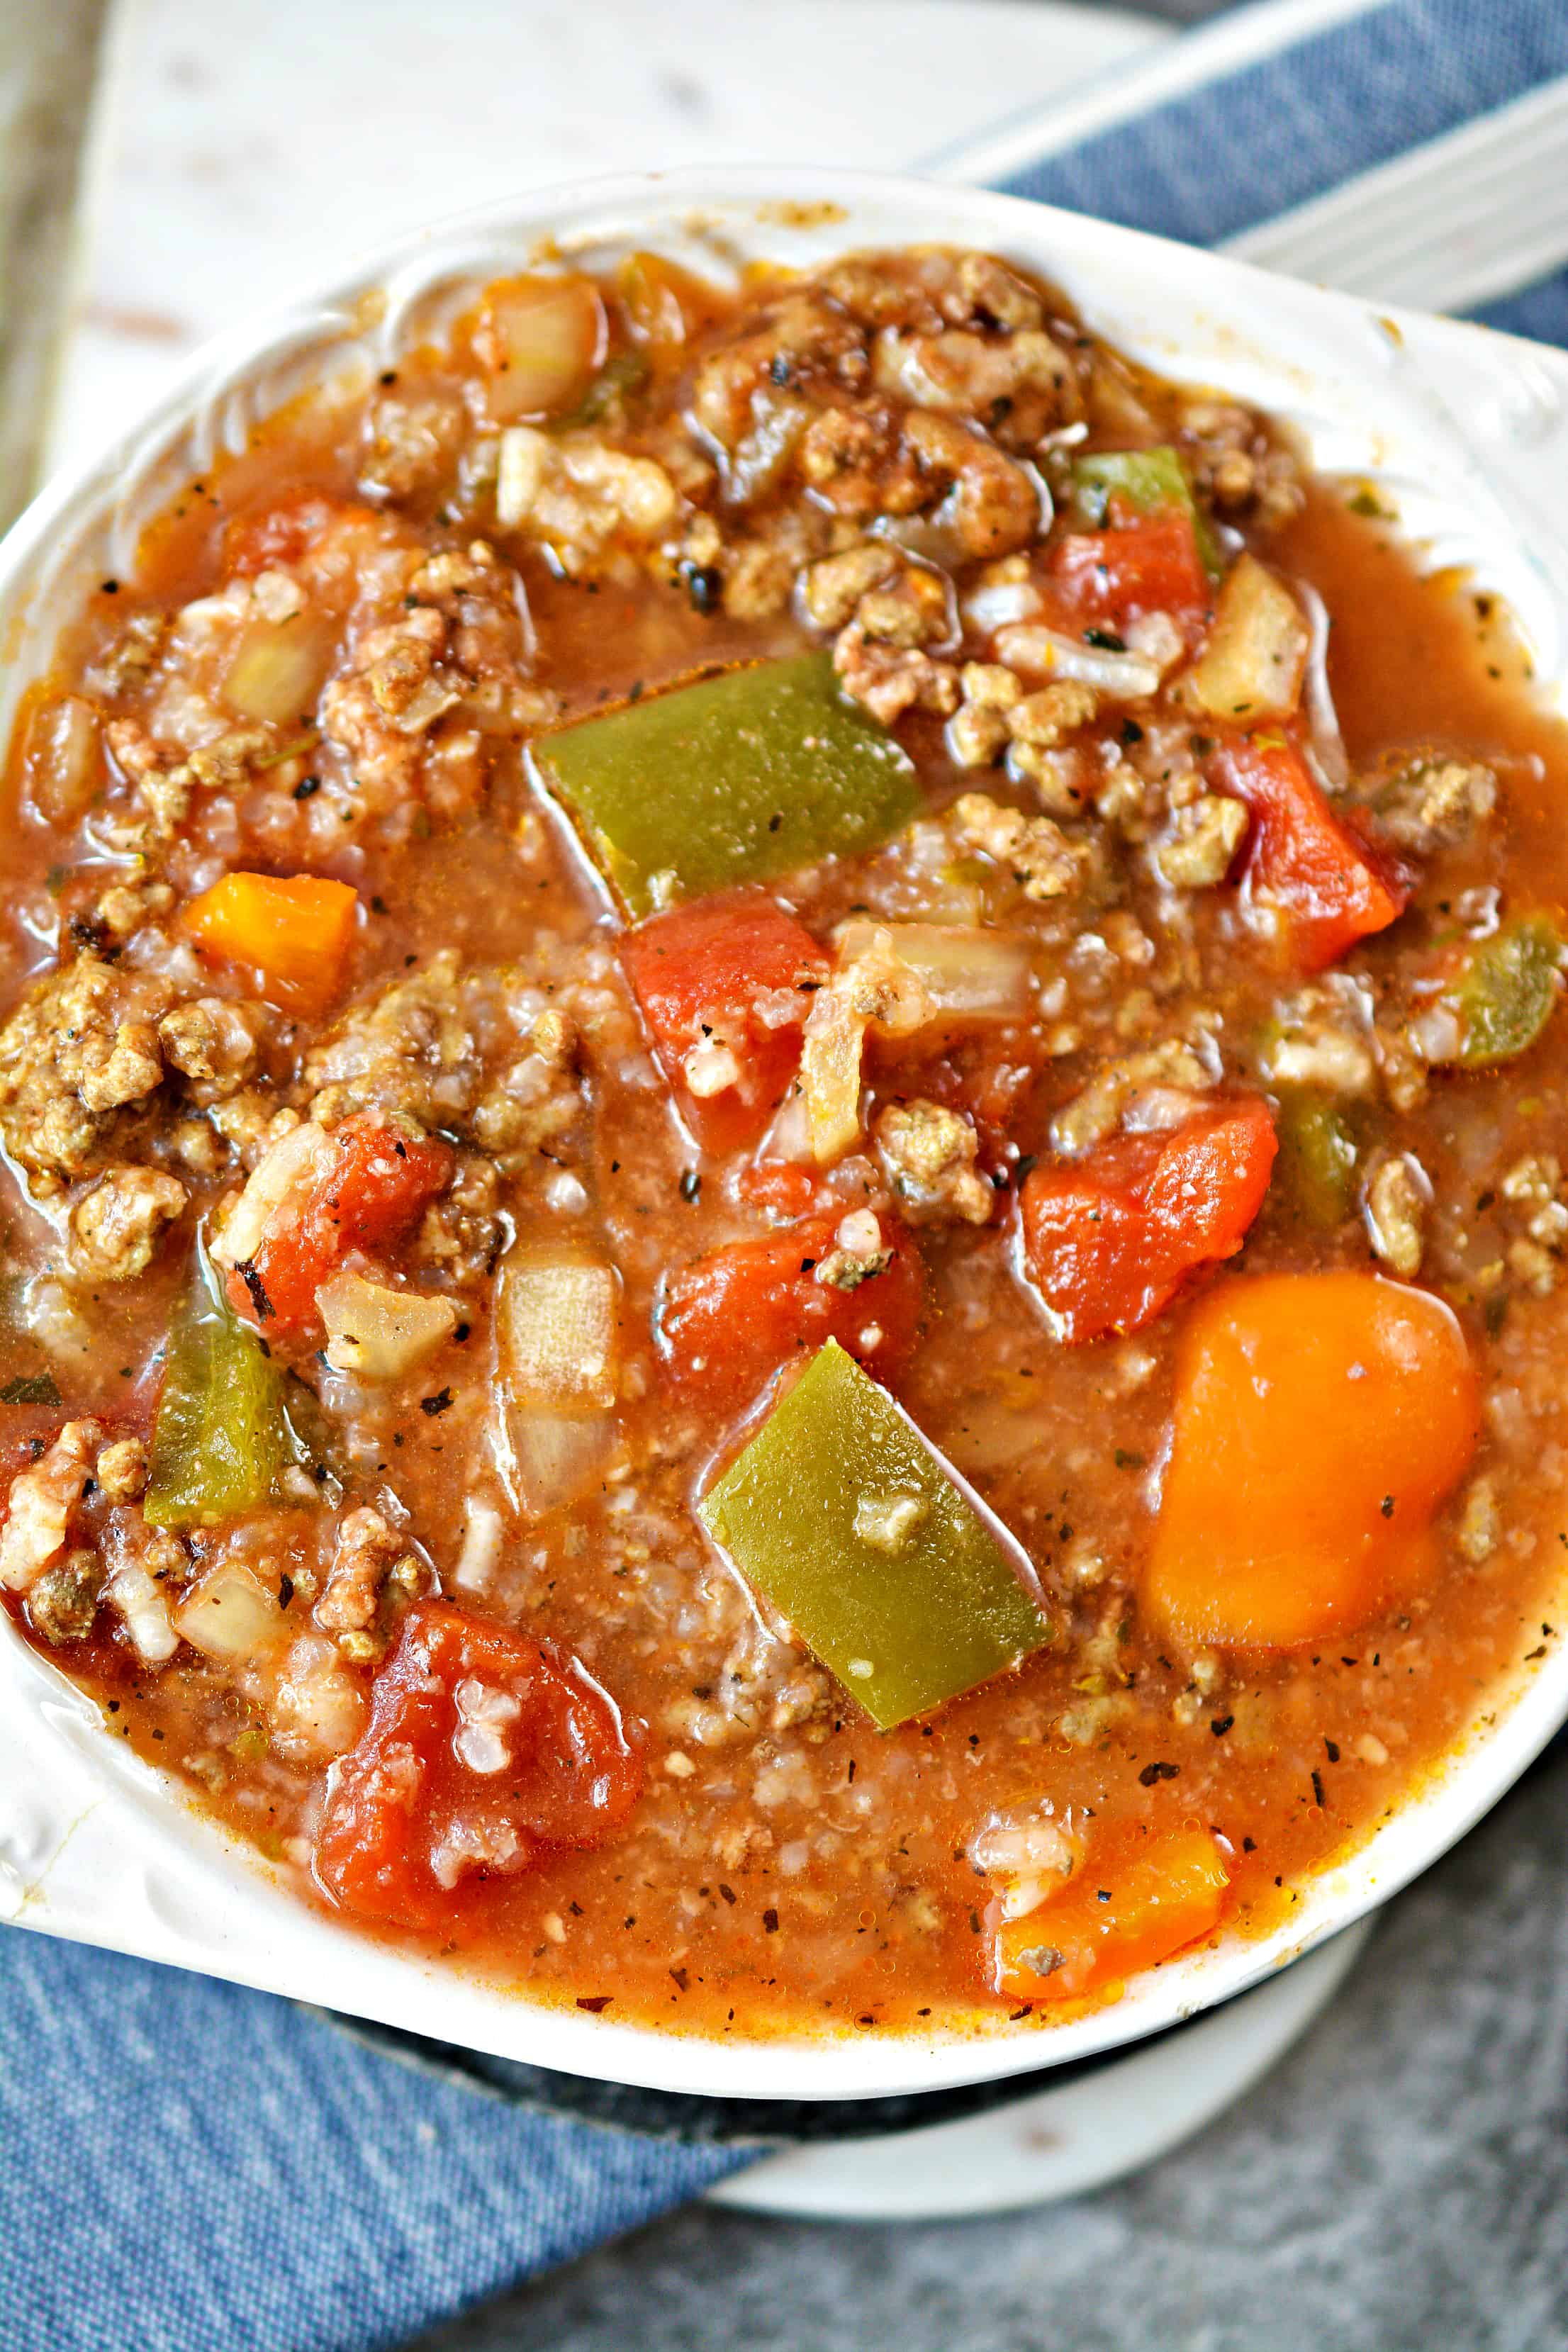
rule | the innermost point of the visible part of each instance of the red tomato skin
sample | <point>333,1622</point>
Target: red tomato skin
<point>1110,1240</point>
<point>1151,565</point>
<point>700,970</point>
<point>728,1321</point>
<point>573,1779</point>
<point>779,1187</point>
<point>1331,879</point>
<point>281,531</point>
<point>377,1181</point>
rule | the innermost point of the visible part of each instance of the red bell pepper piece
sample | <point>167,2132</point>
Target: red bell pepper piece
<point>1109,1239</point>
<point>375,1180</point>
<point>731,1319</point>
<point>725,985</point>
<point>1331,879</point>
<point>482,1748</point>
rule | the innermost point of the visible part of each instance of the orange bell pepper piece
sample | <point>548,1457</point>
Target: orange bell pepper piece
<point>294,929</point>
<point>1320,1421</point>
<point>1115,1918</point>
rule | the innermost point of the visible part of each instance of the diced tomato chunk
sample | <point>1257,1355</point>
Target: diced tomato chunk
<point>282,530</point>
<point>1109,1239</point>
<point>374,1181</point>
<point>482,1749</point>
<point>782,1186</point>
<point>1151,565</point>
<point>725,985</point>
<point>728,1321</point>
<point>1327,873</point>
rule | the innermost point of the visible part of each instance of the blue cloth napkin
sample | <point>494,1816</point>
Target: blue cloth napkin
<point>1311,115</point>
<point>187,2166</point>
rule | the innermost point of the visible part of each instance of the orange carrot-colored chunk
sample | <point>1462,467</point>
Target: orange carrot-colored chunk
<point>1320,1421</point>
<point>294,929</point>
<point>1114,1919</point>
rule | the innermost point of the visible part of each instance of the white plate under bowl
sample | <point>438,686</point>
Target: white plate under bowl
<point>1465,434</point>
<point>1063,2142</point>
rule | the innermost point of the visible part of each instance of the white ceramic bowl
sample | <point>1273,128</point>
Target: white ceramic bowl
<point>1465,431</point>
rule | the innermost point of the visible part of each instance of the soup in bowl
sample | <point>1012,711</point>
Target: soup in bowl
<point>782,1090</point>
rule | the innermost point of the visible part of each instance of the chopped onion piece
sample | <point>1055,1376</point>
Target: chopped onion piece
<point>830,1074</point>
<point>1252,665</point>
<point>319,1707</point>
<point>539,340</point>
<point>1156,637</point>
<point>483,1529</point>
<point>789,1137</point>
<point>1001,604</point>
<point>933,537</point>
<point>279,668</point>
<point>970,972</point>
<point>559,1314</point>
<point>284,1170</point>
<point>556,1455</point>
<point>1030,1861</point>
<point>144,1611</point>
<point>65,761</point>
<point>1158,1111</point>
<point>753,470</point>
<point>1030,646</point>
<point>230,1615</point>
<point>878,984</point>
<point>378,1333</point>
<point>523,461</point>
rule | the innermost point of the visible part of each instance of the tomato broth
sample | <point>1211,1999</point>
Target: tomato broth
<point>785,1124</point>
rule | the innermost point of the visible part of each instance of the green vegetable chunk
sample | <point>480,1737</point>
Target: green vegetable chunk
<point>222,1433</point>
<point>616,380</point>
<point>1317,1156</point>
<point>1147,480</point>
<point>733,779</point>
<point>894,1575</point>
<point>1508,989</point>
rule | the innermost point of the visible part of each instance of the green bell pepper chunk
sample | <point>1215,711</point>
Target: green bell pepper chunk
<point>736,779</point>
<point>1147,480</point>
<point>1505,995</point>
<point>893,1574</point>
<point>615,382</point>
<point>1317,1156</point>
<point>221,1434</point>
